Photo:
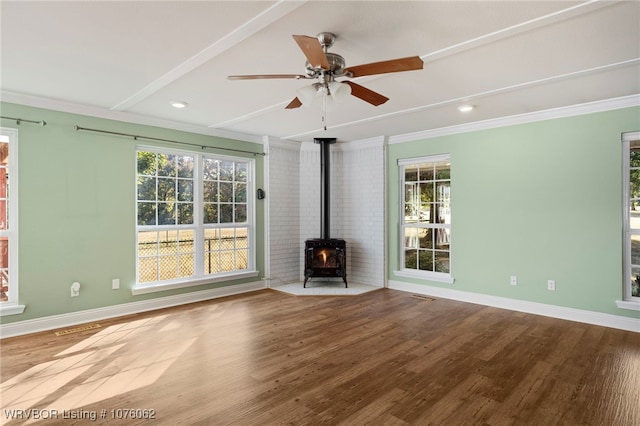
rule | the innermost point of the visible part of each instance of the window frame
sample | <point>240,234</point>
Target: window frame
<point>628,300</point>
<point>198,226</point>
<point>402,271</point>
<point>12,306</point>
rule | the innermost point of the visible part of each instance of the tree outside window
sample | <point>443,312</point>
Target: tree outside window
<point>192,215</point>
<point>426,219</point>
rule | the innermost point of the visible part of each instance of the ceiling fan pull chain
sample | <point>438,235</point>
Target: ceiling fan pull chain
<point>324,110</point>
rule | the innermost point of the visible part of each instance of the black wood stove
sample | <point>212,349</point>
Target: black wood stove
<point>325,256</point>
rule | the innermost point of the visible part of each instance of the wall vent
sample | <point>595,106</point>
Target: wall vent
<point>77,329</point>
<point>423,297</point>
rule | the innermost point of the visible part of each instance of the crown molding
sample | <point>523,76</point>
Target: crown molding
<point>340,145</point>
<point>281,143</point>
<point>97,112</point>
<point>308,146</point>
<point>530,117</point>
<point>375,142</point>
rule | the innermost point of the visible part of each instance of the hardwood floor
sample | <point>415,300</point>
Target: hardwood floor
<point>382,358</point>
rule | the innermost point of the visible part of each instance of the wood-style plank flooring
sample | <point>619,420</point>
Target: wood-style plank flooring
<point>382,358</point>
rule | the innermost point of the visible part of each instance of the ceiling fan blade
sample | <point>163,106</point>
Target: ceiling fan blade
<point>312,50</point>
<point>261,76</point>
<point>394,65</point>
<point>365,94</point>
<point>295,103</point>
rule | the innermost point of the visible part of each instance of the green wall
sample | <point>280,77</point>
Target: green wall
<point>77,210</point>
<point>541,201</point>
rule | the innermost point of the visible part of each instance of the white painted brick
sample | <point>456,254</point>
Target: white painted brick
<point>357,209</point>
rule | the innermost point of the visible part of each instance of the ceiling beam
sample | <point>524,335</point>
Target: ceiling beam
<point>249,28</point>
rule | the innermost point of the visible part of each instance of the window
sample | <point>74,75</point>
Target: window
<point>426,217</point>
<point>631,219</point>
<point>194,218</point>
<point>9,223</point>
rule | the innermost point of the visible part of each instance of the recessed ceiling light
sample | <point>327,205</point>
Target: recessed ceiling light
<point>465,108</point>
<point>179,104</point>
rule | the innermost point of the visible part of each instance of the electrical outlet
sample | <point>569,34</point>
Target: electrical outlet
<point>514,280</point>
<point>551,285</point>
<point>115,283</point>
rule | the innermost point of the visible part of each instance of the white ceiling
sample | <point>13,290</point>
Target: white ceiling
<point>129,59</point>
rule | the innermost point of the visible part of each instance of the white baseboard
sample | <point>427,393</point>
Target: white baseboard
<point>66,320</point>
<point>74,318</point>
<point>561,312</point>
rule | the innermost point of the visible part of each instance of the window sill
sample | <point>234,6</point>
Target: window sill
<point>628,304</point>
<point>425,275</point>
<point>11,309</point>
<point>154,288</point>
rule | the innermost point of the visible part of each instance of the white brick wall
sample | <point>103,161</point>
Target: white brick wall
<point>357,208</point>
<point>363,222</point>
<point>284,213</point>
<point>309,198</point>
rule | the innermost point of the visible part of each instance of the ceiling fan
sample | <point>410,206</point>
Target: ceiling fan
<point>325,67</point>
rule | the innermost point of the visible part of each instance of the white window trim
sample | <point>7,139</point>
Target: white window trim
<point>171,285</point>
<point>425,275</point>
<point>628,301</point>
<point>198,280</point>
<point>428,159</point>
<point>443,277</point>
<point>12,307</point>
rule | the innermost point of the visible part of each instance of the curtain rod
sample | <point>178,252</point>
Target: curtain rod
<point>137,137</point>
<point>21,120</point>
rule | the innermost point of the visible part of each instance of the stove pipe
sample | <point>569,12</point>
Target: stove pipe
<point>325,184</point>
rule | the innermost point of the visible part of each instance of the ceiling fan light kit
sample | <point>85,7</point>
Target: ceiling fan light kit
<point>325,67</point>
<point>339,91</point>
<point>307,94</point>
<point>335,91</point>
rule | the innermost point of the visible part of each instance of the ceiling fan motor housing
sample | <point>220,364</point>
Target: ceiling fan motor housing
<point>336,65</point>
